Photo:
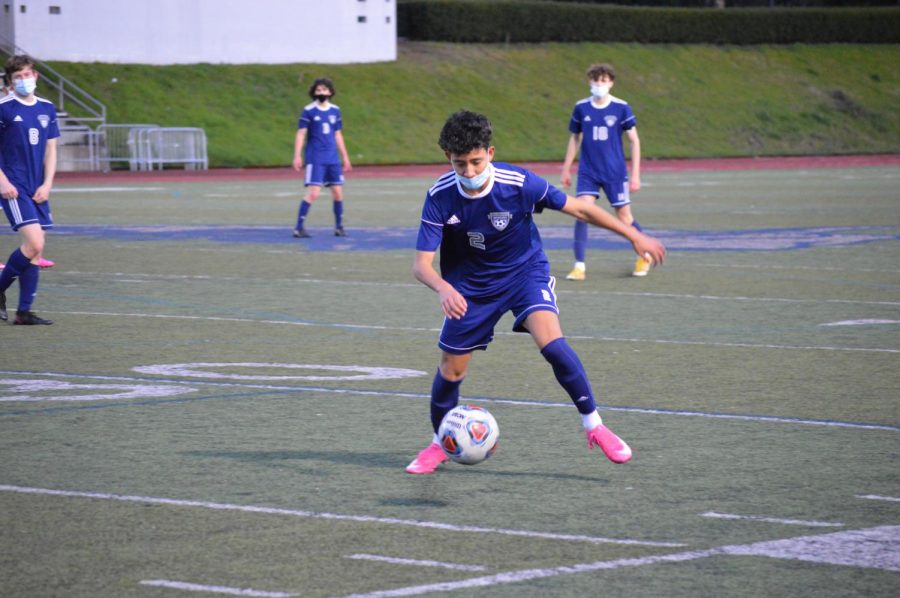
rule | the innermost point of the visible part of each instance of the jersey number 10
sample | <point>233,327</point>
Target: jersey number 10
<point>600,133</point>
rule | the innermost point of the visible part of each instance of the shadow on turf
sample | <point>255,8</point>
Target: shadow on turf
<point>373,460</point>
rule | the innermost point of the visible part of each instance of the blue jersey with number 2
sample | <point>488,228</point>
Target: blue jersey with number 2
<point>487,241</point>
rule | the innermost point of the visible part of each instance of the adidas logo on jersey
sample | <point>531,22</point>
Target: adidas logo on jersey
<point>17,119</point>
<point>453,220</point>
<point>587,118</point>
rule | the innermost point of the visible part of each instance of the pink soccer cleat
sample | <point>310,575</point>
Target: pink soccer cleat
<point>615,449</point>
<point>428,459</point>
<point>42,263</point>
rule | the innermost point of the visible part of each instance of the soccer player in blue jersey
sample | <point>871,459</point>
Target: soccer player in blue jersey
<point>597,126</point>
<point>28,133</point>
<point>320,126</point>
<point>481,217</point>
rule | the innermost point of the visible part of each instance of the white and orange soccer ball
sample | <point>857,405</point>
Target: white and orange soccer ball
<point>468,434</point>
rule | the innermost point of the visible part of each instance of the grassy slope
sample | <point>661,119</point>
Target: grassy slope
<point>690,101</point>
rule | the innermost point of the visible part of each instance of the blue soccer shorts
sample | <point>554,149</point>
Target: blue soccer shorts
<point>23,210</point>
<point>616,192</point>
<point>324,175</point>
<point>475,330</point>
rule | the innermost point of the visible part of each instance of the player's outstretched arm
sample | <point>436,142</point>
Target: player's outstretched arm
<point>644,245</point>
<point>452,303</point>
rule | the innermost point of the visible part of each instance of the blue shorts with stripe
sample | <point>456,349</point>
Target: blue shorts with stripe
<point>616,191</point>
<point>475,330</point>
<point>23,210</point>
<point>324,175</point>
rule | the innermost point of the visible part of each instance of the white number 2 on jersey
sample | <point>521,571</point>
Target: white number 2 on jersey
<point>476,240</point>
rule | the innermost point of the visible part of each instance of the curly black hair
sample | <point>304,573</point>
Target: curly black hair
<point>321,81</point>
<point>465,131</point>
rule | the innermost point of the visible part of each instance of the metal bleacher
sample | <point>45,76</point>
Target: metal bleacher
<point>88,142</point>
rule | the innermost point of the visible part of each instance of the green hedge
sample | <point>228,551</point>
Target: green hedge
<point>534,21</point>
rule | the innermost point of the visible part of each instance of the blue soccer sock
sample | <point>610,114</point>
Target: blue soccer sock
<point>444,397</point>
<point>581,236</point>
<point>28,284</point>
<point>15,264</point>
<point>570,374</point>
<point>338,208</point>
<point>301,215</point>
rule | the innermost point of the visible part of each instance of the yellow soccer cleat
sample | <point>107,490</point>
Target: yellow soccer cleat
<point>576,274</point>
<point>642,266</point>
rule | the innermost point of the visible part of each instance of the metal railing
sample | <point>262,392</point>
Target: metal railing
<point>117,145</point>
<point>69,99</point>
<point>151,147</point>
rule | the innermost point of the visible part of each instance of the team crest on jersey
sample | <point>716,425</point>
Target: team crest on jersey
<point>610,120</point>
<point>44,120</point>
<point>332,118</point>
<point>500,220</point>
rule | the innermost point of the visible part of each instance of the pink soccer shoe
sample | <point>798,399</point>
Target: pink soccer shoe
<point>42,263</point>
<point>615,449</point>
<point>427,460</point>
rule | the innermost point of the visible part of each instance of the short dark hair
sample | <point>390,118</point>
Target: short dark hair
<point>595,71</point>
<point>321,81</point>
<point>17,63</point>
<point>465,131</point>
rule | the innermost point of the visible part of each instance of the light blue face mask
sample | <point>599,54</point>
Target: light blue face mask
<point>599,91</point>
<point>25,87</point>
<point>477,181</point>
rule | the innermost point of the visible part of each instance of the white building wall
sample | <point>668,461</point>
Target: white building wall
<point>194,31</point>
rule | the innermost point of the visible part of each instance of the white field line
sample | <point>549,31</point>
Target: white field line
<point>415,562</point>
<point>105,189</point>
<point>878,497</point>
<point>447,527</point>
<point>489,400</point>
<point>196,587</point>
<point>138,275</point>
<point>808,523</point>
<point>874,547</point>
<point>865,322</point>
<point>414,329</point>
<point>530,574</point>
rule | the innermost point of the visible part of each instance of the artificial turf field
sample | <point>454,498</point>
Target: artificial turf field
<point>222,409</point>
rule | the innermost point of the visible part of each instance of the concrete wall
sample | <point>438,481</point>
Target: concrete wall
<point>193,31</point>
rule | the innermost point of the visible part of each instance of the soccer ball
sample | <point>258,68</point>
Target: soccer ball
<point>468,434</point>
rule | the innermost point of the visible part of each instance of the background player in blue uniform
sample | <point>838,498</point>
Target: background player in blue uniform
<point>5,90</point>
<point>321,127</point>
<point>597,126</point>
<point>480,215</point>
<point>28,132</point>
